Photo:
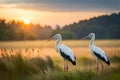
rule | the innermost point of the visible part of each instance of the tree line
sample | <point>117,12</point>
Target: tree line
<point>105,27</point>
<point>17,30</point>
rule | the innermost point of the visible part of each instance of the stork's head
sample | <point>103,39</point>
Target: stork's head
<point>56,36</point>
<point>91,35</point>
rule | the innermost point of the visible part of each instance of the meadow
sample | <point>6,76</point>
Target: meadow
<point>38,60</point>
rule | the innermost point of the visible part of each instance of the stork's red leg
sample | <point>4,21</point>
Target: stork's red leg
<point>102,67</point>
<point>65,65</point>
<point>96,67</point>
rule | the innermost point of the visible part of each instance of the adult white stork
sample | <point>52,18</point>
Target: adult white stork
<point>98,53</point>
<point>64,51</point>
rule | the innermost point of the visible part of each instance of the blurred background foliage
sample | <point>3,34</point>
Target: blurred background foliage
<point>105,27</point>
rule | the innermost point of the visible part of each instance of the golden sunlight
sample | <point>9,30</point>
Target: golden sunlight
<point>26,21</point>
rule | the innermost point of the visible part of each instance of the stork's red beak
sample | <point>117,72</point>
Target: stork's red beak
<point>50,39</point>
<point>85,37</point>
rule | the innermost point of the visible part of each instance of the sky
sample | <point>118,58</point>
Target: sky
<point>56,12</point>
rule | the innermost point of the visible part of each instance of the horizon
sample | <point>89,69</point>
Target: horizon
<point>51,12</point>
<point>56,24</point>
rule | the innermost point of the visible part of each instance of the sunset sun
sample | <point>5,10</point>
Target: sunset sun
<point>26,21</point>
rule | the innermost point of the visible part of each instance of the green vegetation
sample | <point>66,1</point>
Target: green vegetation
<point>19,62</point>
<point>17,67</point>
<point>17,30</point>
<point>105,27</point>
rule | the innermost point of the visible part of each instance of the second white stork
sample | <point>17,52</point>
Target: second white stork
<point>64,51</point>
<point>98,53</point>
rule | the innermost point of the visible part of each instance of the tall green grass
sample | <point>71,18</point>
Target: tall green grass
<point>17,67</point>
<point>28,61</point>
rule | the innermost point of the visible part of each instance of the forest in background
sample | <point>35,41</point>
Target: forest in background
<point>104,26</point>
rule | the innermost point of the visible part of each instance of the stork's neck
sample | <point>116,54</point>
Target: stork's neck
<point>92,41</point>
<point>57,42</point>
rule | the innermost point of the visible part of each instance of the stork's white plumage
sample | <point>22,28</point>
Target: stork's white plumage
<point>64,51</point>
<point>98,53</point>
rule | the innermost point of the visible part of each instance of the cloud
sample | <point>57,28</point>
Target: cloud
<point>66,5</point>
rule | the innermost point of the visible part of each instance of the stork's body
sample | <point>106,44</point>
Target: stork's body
<point>98,53</point>
<point>64,51</point>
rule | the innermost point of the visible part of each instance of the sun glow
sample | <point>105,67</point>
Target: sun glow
<point>26,21</point>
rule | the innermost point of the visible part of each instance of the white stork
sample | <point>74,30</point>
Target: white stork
<point>64,51</point>
<point>98,53</point>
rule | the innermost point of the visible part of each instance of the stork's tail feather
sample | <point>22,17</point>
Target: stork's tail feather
<point>108,62</point>
<point>74,62</point>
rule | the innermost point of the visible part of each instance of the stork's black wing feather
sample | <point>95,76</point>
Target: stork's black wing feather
<point>67,57</point>
<point>102,58</point>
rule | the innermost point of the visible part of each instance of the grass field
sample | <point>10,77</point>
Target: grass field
<point>38,60</point>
